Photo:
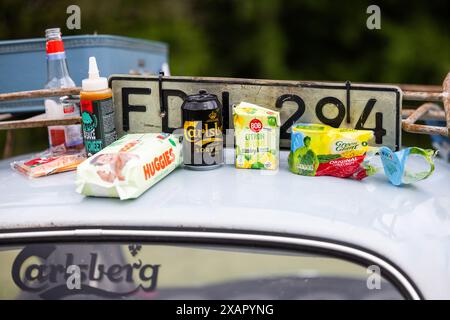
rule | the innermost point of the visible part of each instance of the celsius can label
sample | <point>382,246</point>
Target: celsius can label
<point>203,139</point>
<point>99,129</point>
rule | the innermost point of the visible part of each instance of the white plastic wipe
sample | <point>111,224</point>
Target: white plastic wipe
<point>128,167</point>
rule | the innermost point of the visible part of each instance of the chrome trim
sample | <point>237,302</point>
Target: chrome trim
<point>221,236</point>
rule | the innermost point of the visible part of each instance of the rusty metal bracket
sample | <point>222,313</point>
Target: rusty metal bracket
<point>409,124</point>
<point>429,110</point>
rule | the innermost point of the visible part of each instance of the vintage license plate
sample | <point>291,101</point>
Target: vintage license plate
<point>153,104</point>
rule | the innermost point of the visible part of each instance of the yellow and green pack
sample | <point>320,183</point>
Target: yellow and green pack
<point>257,136</point>
<point>321,150</point>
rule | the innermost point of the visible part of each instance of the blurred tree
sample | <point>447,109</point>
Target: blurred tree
<point>279,39</point>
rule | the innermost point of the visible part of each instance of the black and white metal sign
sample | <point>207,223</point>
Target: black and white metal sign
<point>153,104</point>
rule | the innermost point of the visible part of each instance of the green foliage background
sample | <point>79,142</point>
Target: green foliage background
<point>284,39</point>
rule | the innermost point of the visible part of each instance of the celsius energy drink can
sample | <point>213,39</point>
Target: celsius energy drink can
<point>202,128</point>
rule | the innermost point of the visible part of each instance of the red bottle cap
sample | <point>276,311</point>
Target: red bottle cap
<point>54,46</point>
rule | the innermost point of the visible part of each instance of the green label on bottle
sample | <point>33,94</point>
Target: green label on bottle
<point>99,129</point>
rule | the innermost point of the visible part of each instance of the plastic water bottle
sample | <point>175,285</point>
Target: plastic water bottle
<point>58,77</point>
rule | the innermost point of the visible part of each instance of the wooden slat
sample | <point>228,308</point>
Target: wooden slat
<point>5,116</point>
<point>39,94</point>
<point>38,121</point>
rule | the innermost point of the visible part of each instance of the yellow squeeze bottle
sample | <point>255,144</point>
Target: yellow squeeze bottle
<point>97,111</point>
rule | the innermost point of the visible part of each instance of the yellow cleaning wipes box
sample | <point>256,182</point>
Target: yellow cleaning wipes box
<point>257,136</point>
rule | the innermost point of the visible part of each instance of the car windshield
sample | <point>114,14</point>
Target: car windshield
<point>182,271</point>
